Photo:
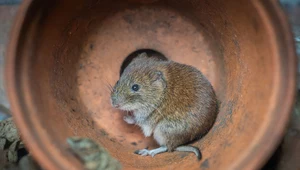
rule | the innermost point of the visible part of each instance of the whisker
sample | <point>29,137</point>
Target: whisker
<point>109,88</point>
<point>108,85</point>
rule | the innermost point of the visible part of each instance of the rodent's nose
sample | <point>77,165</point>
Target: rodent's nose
<point>114,103</point>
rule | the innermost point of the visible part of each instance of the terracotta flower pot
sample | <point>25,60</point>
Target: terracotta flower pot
<point>64,53</point>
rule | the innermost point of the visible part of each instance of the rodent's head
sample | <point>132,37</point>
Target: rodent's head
<point>141,86</point>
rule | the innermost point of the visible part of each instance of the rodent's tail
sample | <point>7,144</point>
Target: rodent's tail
<point>190,149</point>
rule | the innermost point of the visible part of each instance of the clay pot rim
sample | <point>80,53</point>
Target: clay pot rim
<point>251,160</point>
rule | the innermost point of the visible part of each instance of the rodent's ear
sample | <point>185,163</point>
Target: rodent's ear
<point>157,75</point>
<point>140,58</point>
<point>142,55</point>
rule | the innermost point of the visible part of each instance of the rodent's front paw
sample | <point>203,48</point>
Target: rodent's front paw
<point>129,119</point>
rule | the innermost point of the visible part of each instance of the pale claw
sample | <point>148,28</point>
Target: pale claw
<point>129,119</point>
<point>153,152</point>
<point>143,152</point>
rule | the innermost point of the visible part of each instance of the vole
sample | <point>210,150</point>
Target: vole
<point>174,102</point>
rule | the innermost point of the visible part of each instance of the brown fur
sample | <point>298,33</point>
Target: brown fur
<point>175,100</point>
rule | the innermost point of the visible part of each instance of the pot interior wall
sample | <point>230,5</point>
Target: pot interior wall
<point>73,49</point>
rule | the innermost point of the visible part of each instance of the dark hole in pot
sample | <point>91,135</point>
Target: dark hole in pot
<point>150,53</point>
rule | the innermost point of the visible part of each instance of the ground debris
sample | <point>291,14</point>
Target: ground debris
<point>13,155</point>
<point>8,130</point>
<point>93,156</point>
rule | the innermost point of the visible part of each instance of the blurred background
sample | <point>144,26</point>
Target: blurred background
<point>286,157</point>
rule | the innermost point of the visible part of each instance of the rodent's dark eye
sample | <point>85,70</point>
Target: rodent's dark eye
<point>135,87</point>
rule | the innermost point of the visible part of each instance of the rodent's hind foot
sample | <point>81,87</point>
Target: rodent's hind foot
<point>153,152</point>
<point>142,152</point>
<point>190,149</point>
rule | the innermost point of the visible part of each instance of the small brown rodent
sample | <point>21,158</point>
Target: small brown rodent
<point>172,101</point>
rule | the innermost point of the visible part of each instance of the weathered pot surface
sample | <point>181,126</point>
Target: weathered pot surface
<point>63,54</point>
